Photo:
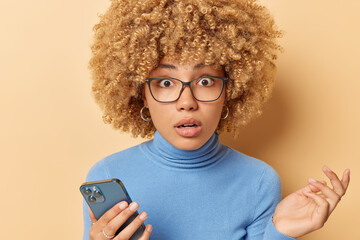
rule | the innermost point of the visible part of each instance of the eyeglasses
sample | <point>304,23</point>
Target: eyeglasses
<point>203,89</point>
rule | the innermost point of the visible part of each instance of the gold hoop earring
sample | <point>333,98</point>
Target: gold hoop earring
<point>141,115</point>
<point>227,113</point>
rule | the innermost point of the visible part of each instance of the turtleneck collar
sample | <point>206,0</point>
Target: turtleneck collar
<point>165,154</point>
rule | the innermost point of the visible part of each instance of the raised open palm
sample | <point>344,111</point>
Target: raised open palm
<point>307,209</point>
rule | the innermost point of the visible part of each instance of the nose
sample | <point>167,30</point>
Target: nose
<point>186,101</point>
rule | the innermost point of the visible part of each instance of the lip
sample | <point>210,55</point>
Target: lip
<point>188,132</point>
<point>188,121</point>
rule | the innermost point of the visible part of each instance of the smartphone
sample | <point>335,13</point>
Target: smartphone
<point>103,195</point>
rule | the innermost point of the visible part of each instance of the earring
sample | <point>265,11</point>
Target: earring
<point>227,113</point>
<point>141,115</point>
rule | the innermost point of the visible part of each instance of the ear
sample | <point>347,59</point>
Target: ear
<point>143,97</point>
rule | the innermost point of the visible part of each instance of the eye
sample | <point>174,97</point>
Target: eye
<point>165,83</point>
<point>205,82</point>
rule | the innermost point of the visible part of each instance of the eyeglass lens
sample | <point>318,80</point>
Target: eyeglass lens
<point>203,89</point>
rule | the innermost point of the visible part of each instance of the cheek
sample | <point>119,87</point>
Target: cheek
<point>158,112</point>
<point>217,111</point>
<point>213,113</point>
<point>217,115</point>
<point>219,106</point>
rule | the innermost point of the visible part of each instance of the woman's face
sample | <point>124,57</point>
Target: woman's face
<point>186,124</point>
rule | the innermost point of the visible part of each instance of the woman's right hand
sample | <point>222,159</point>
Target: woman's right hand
<point>308,209</point>
<point>106,227</point>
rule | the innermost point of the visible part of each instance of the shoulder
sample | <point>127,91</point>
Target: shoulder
<point>257,173</point>
<point>123,155</point>
<point>261,178</point>
<point>250,164</point>
<point>101,169</point>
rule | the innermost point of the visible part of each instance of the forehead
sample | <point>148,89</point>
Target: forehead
<point>167,63</point>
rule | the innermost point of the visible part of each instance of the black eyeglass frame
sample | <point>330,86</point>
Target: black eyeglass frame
<point>223,80</point>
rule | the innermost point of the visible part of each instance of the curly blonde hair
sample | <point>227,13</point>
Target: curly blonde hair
<point>133,36</point>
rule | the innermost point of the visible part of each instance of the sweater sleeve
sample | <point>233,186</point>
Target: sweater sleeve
<point>97,172</point>
<point>268,195</point>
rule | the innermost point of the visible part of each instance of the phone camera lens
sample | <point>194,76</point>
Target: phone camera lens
<point>97,194</point>
<point>87,191</point>
<point>92,199</point>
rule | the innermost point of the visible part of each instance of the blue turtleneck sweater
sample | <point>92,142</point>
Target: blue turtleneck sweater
<point>212,193</point>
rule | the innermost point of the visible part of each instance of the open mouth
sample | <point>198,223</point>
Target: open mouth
<point>188,123</point>
<point>187,126</point>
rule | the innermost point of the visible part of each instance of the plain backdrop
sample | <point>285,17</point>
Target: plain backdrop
<point>52,132</point>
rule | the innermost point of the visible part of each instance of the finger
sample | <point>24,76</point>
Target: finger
<point>133,226</point>
<point>112,212</point>
<point>329,193</point>
<point>323,209</point>
<point>314,189</point>
<point>335,181</point>
<point>346,179</point>
<point>146,234</point>
<point>120,219</point>
<point>320,201</point>
<point>323,182</point>
<point>310,188</point>
<point>92,216</point>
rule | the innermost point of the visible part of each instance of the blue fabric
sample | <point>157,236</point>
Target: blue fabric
<point>213,192</point>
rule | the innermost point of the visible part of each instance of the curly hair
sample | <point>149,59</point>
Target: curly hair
<point>133,36</point>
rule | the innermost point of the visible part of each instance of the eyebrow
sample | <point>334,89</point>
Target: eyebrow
<point>169,66</point>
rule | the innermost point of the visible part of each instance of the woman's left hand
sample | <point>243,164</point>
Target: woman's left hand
<point>307,209</point>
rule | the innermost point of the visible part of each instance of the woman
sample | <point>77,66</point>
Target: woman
<point>182,71</point>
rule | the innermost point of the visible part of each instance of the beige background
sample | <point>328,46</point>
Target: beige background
<point>52,132</point>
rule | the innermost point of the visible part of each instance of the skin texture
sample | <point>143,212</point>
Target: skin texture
<point>166,115</point>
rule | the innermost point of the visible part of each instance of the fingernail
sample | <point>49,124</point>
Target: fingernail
<point>327,169</point>
<point>148,228</point>
<point>143,216</point>
<point>123,205</point>
<point>133,206</point>
<point>312,180</point>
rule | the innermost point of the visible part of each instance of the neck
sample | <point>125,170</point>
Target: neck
<point>169,156</point>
